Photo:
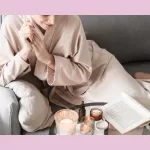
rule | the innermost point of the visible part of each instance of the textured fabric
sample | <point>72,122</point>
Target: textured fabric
<point>72,64</point>
<point>9,109</point>
<point>10,66</point>
<point>35,112</point>
<point>112,82</point>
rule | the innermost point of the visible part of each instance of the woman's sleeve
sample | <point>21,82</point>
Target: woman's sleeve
<point>75,69</point>
<point>11,65</point>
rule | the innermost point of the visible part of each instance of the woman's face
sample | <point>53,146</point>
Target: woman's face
<point>44,21</point>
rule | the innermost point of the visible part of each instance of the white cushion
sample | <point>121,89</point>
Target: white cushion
<point>34,107</point>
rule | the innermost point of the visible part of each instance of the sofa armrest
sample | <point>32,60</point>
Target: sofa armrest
<point>9,107</point>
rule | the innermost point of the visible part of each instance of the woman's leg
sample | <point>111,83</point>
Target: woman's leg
<point>114,81</point>
<point>9,108</point>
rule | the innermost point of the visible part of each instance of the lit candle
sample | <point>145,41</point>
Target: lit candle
<point>67,127</point>
<point>96,113</point>
<point>66,121</point>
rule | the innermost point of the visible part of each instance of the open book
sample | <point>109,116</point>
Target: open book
<point>126,113</point>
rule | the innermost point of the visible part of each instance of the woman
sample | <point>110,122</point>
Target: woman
<point>54,49</point>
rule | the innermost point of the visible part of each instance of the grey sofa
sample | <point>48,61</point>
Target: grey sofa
<point>127,37</point>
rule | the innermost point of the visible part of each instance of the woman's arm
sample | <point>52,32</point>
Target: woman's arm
<point>11,65</point>
<point>72,65</point>
<point>77,68</point>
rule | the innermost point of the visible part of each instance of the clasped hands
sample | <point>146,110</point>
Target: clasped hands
<point>32,42</point>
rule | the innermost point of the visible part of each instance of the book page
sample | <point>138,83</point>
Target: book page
<point>134,103</point>
<point>123,116</point>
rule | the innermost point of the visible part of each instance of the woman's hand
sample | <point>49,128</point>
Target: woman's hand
<point>27,33</point>
<point>41,52</point>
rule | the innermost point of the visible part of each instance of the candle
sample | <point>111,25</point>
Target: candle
<point>66,127</point>
<point>102,125</point>
<point>96,113</point>
<point>85,128</point>
<point>87,125</point>
<point>66,121</point>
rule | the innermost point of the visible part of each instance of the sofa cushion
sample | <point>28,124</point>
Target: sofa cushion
<point>141,66</point>
<point>35,112</point>
<point>40,132</point>
<point>127,37</point>
<point>9,108</point>
<point>45,131</point>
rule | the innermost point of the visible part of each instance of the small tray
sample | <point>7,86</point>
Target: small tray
<point>88,106</point>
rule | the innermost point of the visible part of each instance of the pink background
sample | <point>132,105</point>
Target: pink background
<point>74,142</point>
<point>77,7</point>
<point>101,7</point>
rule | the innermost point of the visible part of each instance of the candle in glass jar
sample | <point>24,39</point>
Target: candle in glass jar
<point>67,127</point>
<point>87,126</point>
<point>96,113</point>
<point>66,121</point>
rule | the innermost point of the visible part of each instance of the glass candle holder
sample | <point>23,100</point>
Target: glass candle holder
<point>96,113</point>
<point>87,125</point>
<point>66,121</point>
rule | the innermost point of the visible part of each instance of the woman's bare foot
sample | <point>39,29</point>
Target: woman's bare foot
<point>141,75</point>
